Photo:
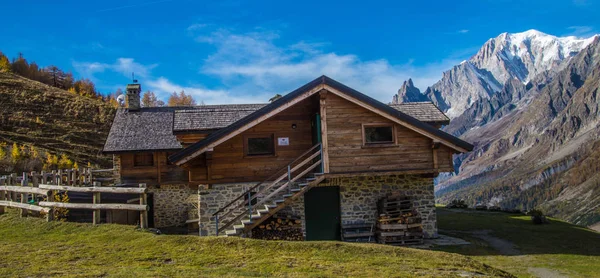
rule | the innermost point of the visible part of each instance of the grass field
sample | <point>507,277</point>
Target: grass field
<point>31,247</point>
<point>513,243</point>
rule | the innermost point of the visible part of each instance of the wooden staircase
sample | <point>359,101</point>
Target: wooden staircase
<point>270,196</point>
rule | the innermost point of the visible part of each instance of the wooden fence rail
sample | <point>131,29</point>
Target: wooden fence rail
<point>32,186</point>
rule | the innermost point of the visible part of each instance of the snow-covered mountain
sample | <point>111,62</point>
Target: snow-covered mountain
<point>521,56</point>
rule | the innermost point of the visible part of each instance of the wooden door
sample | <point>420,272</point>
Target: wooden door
<point>322,213</point>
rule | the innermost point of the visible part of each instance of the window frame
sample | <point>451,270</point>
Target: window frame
<point>260,135</point>
<point>392,143</point>
<point>153,155</point>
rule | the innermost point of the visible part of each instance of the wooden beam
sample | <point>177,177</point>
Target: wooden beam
<point>251,124</point>
<point>24,206</point>
<point>25,189</point>
<point>124,190</point>
<point>435,146</point>
<point>93,206</point>
<point>144,213</point>
<point>324,142</point>
<point>381,173</point>
<point>392,118</point>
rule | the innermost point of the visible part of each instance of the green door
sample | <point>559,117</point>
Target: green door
<point>322,213</point>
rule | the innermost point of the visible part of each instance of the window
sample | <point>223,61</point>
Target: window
<point>378,134</point>
<point>257,145</point>
<point>143,159</point>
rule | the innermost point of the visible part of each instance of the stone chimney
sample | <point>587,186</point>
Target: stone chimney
<point>133,96</point>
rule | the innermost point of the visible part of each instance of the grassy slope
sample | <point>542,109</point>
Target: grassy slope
<point>32,247</point>
<point>69,123</point>
<point>558,246</point>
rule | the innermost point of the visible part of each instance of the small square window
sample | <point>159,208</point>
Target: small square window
<point>379,134</point>
<point>143,159</point>
<point>260,145</point>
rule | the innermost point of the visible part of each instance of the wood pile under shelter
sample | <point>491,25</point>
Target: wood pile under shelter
<point>399,223</point>
<point>279,228</point>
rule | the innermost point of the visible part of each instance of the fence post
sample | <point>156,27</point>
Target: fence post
<point>50,215</point>
<point>24,195</point>
<point>2,179</point>
<point>13,181</point>
<point>96,199</point>
<point>144,213</point>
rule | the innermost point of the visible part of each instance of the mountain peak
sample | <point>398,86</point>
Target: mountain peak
<point>408,93</point>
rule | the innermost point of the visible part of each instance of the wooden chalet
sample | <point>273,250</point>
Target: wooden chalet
<point>323,155</point>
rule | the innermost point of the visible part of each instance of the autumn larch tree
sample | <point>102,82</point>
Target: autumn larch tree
<point>149,99</point>
<point>181,99</point>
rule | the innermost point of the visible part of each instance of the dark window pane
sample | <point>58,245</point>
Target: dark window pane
<point>379,134</point>
<point>260,145</point>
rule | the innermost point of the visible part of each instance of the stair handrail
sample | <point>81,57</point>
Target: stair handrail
<point>249,210</point>
<point>266,180</point>
<point>252,197</point>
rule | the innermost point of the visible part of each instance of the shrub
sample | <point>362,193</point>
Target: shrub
<point>457,204</point>
<point>537,216</point>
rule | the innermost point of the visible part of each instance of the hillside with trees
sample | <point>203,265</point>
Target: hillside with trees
<point>44,127</point>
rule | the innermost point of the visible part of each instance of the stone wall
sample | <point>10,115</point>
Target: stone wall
<point>359,196</point>
<point>174,204</point>
<point>358,200</point>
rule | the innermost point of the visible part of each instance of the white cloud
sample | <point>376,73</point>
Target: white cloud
<point>163,87</point>
<point>463,31</point>
<point>253,61</point>
<point>581,31</point>
<point>124,66</point>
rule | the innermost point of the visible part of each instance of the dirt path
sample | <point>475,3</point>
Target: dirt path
<point>503,246</point>
<point>545,272</point>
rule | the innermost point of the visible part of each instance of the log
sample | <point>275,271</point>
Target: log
<point>25,189</point>
<point>124,190</point>
<point>24,206</point>
<point>94,206</point>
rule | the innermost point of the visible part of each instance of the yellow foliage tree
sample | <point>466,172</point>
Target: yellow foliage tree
<point>51,161</point>
<point>75,165</point>
<point>2,151</point>
<point>33,152</point>
<point>4,63</point>
<point>64,162</point>
<point>72,90</point>
<point>15,153</point>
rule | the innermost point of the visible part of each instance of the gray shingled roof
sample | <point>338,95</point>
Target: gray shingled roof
<point>154,128</point>
<point>211,116</point>
<point>424,111</point>
<point>145,129</point>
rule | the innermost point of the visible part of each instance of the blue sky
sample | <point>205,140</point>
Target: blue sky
<point>247,51</point>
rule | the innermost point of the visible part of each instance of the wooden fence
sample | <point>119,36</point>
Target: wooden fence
<point>24,191</point>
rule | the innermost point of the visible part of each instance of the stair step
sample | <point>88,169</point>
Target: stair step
<point>279,201</point>
<point>263,211</point>
<point>319,174</point>
<point>231,233</point>
<point>287,195</point>
<point>303,184</point>
<point>296,190</point>
<point>311,179</point>
<point>239,227</point>
<point>247,221</point>
<point>256,216</point>
<point>270,206</point>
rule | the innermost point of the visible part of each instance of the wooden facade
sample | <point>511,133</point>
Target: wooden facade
<point>228,162</point>
<point>342,126</point>
<point>160,172</point>
<point>348,152</point>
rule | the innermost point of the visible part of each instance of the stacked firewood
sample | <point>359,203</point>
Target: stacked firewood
<point>399,223</point>
<point>279,228</point>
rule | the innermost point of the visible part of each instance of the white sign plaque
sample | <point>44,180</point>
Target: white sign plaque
<point>283,141</point>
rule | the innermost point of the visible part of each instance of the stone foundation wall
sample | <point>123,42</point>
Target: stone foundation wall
<point>358,200</point>
<point>174,204</point>
<point>359,196</point>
